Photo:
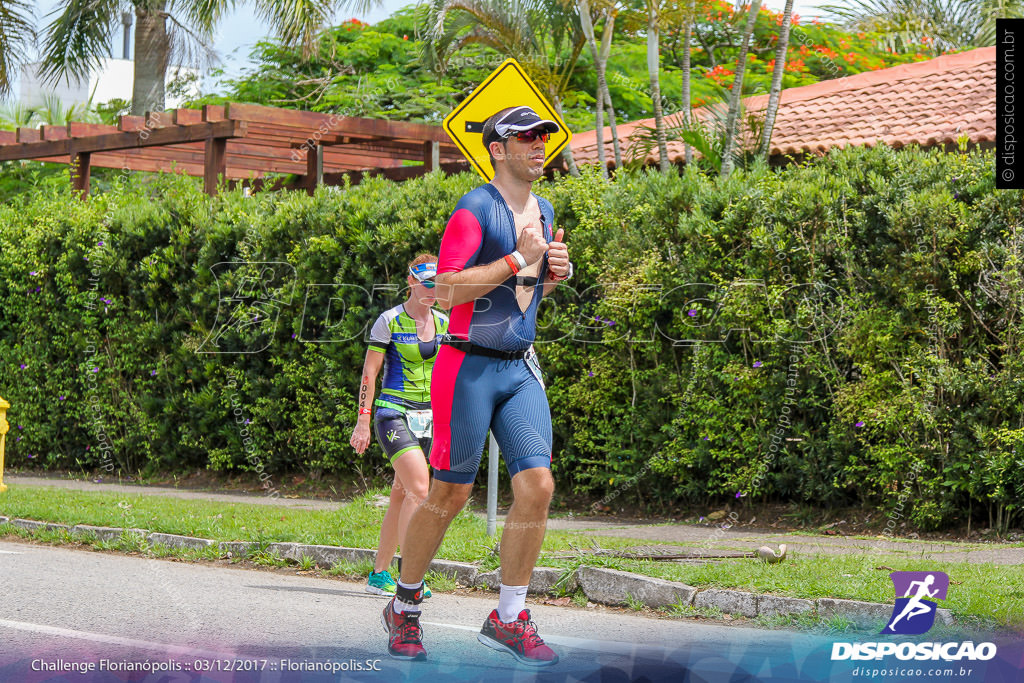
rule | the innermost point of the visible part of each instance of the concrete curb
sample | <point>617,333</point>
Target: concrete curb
<point>465,574</point>
<point>106,533</point>
<point>606,586</point>
<point>237,548</point>
<point>772,605</point>
<point>326,556</point>
<point>860,613</point>
<point>613,587</point>
<point>729,602</point>
<point>542,581</point>
<point>286,551</point>
<point>31,525</point>
<point>175,541</point>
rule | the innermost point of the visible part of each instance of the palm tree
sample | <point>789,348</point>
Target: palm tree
<point>686,98</point>
<point>600,55</point>
<point>17,32</point>
<point>653,66</point>
<point>775,93</point>
<point>947,24</point>
<point>737,90</point>
<point>54,113</point>
<point>545,36</point>
<point>587,24</point>
<point>17,115</point>
<point>606,47</point>
<point>706,135</point>
<point>77,39</point>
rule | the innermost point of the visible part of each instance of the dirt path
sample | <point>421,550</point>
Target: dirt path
<point>712,537</point>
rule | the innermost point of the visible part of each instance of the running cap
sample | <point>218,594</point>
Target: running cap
<point>514,121</point>
<point>423,271</point>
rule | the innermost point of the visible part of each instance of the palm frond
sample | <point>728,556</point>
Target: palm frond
<point>949,24</point>
<point>544,36</point>
<point>17,32</point>
<point>53,112</point>
<point>189,44</point>
<point>17,115</point>
<point>507,22</point>
<point>201,15</point>
<point>989,11</point>
<point>298,22</point>
<point>78,39</point>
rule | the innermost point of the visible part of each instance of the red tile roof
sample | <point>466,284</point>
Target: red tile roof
<point>925,103</point>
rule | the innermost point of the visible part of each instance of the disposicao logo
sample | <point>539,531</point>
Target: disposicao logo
<point>914,614</point>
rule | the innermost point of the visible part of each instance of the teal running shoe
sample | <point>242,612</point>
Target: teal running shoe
<point>381,583</point>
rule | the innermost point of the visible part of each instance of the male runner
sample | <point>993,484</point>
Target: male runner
<point>497,260</point>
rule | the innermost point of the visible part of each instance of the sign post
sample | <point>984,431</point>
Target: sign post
<point>492,486</point>
<point>4,405</point>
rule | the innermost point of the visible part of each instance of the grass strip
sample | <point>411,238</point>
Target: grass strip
<point>982,593</point>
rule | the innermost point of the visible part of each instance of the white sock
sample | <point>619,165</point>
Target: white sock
<point>511,601</point>
<point>406,606</point>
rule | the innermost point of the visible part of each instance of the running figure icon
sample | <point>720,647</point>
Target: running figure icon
<point>916,594</point>
<point>914,606</point>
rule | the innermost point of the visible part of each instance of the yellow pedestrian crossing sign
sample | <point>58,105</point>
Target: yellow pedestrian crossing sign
<point>507,86</point>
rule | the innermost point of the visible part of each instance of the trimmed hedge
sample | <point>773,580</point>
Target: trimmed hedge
<point>840,332</point>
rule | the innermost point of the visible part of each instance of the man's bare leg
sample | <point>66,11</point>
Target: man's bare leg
<point>509,628</point>
<point>525,525</point>
<point>428,526</point>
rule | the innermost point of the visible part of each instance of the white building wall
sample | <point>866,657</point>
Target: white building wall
<point>113,79</point>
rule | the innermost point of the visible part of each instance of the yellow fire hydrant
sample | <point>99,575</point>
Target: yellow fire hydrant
<point>4,405</point>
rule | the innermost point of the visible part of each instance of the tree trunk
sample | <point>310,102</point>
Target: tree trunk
<point>686,98</point>
<point>606,48</point>
<point>732,118</point>
<point>653,65</point>
<point>570,163</point>
<point>152,55</point>
<point>588,32</point>
<point>776,91</point>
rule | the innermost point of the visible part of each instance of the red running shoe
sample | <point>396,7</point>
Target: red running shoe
<point>518,638</point>
<point>405,637</point>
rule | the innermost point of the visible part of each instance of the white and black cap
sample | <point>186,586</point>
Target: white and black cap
<point>514,121</point>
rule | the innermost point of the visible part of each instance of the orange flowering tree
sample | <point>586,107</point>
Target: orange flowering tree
<point>817,51</point>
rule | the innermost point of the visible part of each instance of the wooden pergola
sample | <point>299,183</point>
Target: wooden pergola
<point>241,143</point>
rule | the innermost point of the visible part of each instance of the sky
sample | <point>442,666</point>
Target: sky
<point>241,30</point>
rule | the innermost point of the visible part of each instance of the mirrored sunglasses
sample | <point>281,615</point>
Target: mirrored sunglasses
<point>531,135</point>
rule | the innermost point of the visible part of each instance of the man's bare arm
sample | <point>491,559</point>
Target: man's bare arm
<point>473,283</point>
<point>470,284</point>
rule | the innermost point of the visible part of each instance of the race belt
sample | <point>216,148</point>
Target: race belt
<point>469,347</point>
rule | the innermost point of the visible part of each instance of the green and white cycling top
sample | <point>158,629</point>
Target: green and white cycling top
<point>408,361</point>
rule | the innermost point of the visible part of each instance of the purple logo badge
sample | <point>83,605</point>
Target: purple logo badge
<point>914,612</point>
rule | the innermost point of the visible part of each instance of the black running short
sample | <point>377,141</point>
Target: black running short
<point>394,436</point>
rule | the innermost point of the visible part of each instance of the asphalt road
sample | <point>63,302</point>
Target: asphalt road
<point>70,608</point>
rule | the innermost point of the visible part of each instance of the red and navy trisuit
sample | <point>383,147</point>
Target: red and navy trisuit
<point>471,393</point>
